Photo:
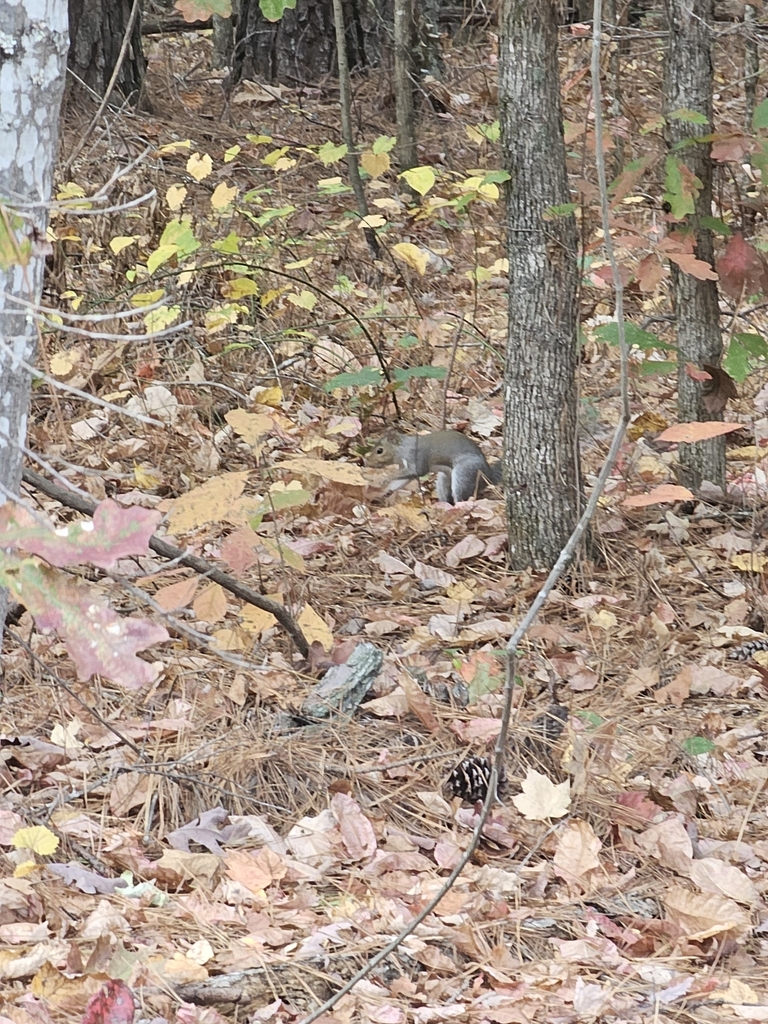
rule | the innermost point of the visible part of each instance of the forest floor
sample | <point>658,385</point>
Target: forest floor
<point>631,883</point>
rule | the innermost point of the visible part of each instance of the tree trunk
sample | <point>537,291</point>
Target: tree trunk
<point>540,398</point>
<point>688,85</point>
<point>299,49</point>
<point>96,29</point>
<point>403,47</point>
<point>34,68</point>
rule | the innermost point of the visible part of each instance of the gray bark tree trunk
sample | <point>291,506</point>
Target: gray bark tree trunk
<point>96,29</point>
<point>688,85</point>
<point>300,48</point>
<point>34,67</point>
<point>541,473</point>
<point>403,47</point>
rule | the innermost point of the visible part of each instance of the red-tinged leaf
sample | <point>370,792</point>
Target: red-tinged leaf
<point>97,639</point>
<point>664,492</point>
<point>112,534</point>
<point>742,269</point>
<point>696,373</point>
<point>690,432</point>
<point>112,1005</point>
<point>732,148</point>
<point>649,273</point>
<point>201,10</point>
<point>688,263</point>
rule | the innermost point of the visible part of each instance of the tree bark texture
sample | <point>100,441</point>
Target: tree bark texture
<point>96,29</point>
<point>34,40</point>
<point>688,85</point>
<point>300,48</point>
<point>403,47</point>
<point>540,397</point>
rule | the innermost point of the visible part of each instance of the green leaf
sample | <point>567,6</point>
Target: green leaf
<point>635,336</point>
<point>694,745</point>
<point>656,368</point>
<point>369,375</point>
<point>681,188</point>
<point>563,210</point>
<point>593,720</point>
<point>407,341</point>
<point>428,372</point>
<point>689,116</point>
<point>384,144</point>
<point>273,10</point>
<point>329,153</point>
<point>229,245</point>
<point>179,234</point>
<point>760,116</point>
<point>496,177</point>
<point>716,225</point>
<point>743,352</point>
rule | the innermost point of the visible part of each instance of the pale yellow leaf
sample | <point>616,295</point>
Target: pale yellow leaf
<point>207,503</point>
<point>63,363</point>
<point>304,299</point>
<point>223,196</point>
<point>541,798</point>
<point>228,640</point>
<point>120,242</point>
<point>339,472</point>
<point>251,426</point>
<point>199,166</point>
<point>256,620</point>
<point>373,220</point>
<point>314,628</point>
<point>211,604</point>
<point>754,561</point>
<point>175,196</point>
<point>375,164</point>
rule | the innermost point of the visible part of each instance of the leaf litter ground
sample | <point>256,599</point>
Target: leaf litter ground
<point>270,858</point>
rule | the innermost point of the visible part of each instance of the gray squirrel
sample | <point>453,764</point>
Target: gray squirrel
<point>462,470</point>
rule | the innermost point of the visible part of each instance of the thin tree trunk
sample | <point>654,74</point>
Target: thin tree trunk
<point>540,398</point>
<point>688,86</point>
<point>403,45</point>
<point>34,69</point>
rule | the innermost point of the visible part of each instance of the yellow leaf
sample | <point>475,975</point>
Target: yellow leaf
<point>284,164</point>
<point>753,561</point>
<point>256,620</point>
<point>199,166</point>
<point>412,255</point>
<point>27,867</point>
<point>207,503</point>
<point>373,220</point>
<point>146,298</point>
<point>175,197</point>
<point>223,196</point>
<point>271,397</point>
<point>161,255</point>
<point>314,628</point>
<point>175,147</point>
<point>219,317</point>
<point>300,264</point>
<point>474,135</point>
<point>420,179</point>
<point>251,426</point>
<point>231,153</point>
<point>305,299</point>
<point>162,317</point>
<point>272,158</point>
<point>375,164</point>
<point>120,242</point>
<point>37,838</point>
<point>340,472</point>
<point>63,363</point>
<point>239,287</point>
<point>147,479</point>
